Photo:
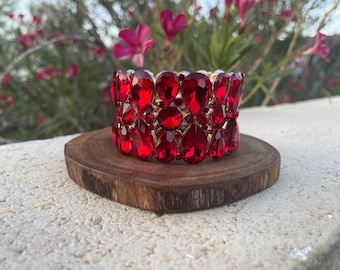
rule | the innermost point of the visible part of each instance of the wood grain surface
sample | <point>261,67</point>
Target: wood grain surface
<point>95,164</point>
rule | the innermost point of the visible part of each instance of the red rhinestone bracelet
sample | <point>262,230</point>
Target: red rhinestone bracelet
<point>176,116</point>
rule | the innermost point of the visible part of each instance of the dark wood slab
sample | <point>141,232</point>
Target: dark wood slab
<point>95,164</point>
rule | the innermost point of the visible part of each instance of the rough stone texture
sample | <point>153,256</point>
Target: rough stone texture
<point>48,222</point>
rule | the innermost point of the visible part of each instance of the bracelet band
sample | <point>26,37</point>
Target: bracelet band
<point>176,116</point>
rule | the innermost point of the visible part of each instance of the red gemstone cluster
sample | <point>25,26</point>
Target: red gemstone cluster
<point>176,116</point>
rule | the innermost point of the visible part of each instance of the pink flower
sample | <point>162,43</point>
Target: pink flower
<point>38,33</point>
<point>228,3</point>
<point>9,101</point>
<point>21,18</point>
<point>52,71</point>
<point>53,36</point>
<point>6,80</point>
<point>41,118</point>
<point>321,49</point>
<point>134,44</point>
<point>243,7</point>
<point>286,14</point>
<point>171,26</point>
<point>257,38</point>
<point>295,86</point>
<point>42,76</point>
<point>212,12</point>
<point>323,78</point>
<point>131,12</point>
<point>334,83</point>
<point>227,14</point>
<point>27,40</point>
<point>97,51</point>
<point>276,101</point>
<point>282,98</point>
<point>106,98</point>
<point>47,74</point>
<point>36,19</point>
<point>72,71</point>
<point>286,98</point>
<point>198,8</point>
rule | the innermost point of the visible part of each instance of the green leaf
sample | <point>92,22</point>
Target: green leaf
<point>266,91</point>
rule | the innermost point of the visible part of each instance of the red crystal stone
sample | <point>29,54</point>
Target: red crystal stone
<point>170,118</point>
<point>178,102</point>
<point>128,113</point>
<point>115,129</point>
<point>160,104</point>
<point>142,144</point>
<point>235,91</point>
<point>181,77</point>
<point>120,86</point>
<point>124,140</point>
<point>189,118</point>
<point>218,116</point>
<point>149,118</point>
<point>232,115</point>
<point>221,87</point>
<point>142,90</point>
<point>217,145</point>
<point>113,86</point>
<point>166,148</point>
<point>167,87</point>
<point>231,136</point>
<point>203,121</point>
<point>178,134</point>
<point>195,91</point>
<point>194,145</point>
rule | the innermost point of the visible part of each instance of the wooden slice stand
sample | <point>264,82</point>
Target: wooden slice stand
<point>95,164</point>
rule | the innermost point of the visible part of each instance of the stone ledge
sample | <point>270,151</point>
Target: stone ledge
<point>48,222</point>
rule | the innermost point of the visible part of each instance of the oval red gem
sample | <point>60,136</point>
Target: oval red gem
<point>195,92</point>
<point>202,120</point>
<point>149,118</point>
<point>120,86</point>
<point>218,116</point>
<point>113,86</point>
<point>167,87</point>
<point>189,118</point>
<point>170,118</point>
<point>217,145</point>
<point>166,148</point>
<point>194,145</point>
<point>124,140</point>
<point>235,91</point>
<point>221,88</point>
<point>115,129</point>
<point>231,136</point>
<point>142,90</point>
<point>142,144</point>
<point>128,113</point>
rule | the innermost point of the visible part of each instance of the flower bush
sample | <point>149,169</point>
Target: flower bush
<point>55,67</point>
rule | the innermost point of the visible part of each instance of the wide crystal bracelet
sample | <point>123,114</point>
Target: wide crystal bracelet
<point>172,116</point>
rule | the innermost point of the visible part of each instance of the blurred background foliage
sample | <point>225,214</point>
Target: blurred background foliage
<point>56,63</point>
